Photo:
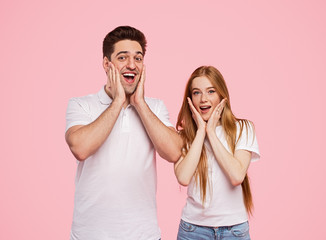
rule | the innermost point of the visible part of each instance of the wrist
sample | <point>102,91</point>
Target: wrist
<point>140,105</point>
<point>201,131</point>
<point>210,131</point>
<point>119,101</point>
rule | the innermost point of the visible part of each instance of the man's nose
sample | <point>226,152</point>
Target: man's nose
<point>131,63</point>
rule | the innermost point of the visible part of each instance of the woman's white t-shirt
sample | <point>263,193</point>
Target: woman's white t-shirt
<point>224,205</point>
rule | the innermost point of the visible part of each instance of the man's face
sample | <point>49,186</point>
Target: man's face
<point>128,59</point>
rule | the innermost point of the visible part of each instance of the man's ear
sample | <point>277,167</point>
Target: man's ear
<point>106,62</point>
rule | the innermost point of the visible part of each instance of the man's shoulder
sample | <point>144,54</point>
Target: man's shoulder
<point>87,102</point>
<point>154,101</point>
<point>156,105</point>
<point>86,99</point>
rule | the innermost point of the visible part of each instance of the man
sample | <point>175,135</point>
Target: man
<point>114,135</point>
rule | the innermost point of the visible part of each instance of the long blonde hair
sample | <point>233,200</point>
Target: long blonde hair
<point>187,128</point>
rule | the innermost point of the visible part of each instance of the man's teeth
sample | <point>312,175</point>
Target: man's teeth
<point>129,75</point>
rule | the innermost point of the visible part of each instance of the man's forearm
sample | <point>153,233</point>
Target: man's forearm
<point>166,140</point>
<point>84,140</point>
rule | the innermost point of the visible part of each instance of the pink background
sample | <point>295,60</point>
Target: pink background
<point>272,55</point>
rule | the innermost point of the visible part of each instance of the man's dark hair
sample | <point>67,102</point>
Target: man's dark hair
<point>122,33</point>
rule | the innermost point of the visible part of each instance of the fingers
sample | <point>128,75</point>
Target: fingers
<point>219,108</point>
<point>222,105</point>
<point>143,75</point>
<point>114,85</point>
<point>201,124</point>
<point>140,86</point>
<point>113,74</point>
<point>117,76</point>
<point>109,75</point>
<point>195,114</point>
<point>216,114</point>
<point>192,107</point>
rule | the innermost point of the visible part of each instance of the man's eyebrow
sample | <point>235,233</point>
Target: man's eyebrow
<point>121,52</point>
<point>127,52</point>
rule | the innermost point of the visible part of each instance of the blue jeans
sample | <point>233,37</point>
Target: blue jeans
<point>188,231</point>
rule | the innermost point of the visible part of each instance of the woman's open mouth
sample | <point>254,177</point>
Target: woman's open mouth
<point>205,109</point>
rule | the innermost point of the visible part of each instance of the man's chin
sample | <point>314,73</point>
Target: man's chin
<point>130,91</point>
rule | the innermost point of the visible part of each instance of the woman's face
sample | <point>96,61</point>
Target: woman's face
<point>204,96</point>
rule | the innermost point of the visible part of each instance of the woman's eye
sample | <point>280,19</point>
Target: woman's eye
<point>195,93</point>
<point>211,91</point>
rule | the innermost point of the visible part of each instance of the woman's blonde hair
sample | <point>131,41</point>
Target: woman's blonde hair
<point>187,128</point>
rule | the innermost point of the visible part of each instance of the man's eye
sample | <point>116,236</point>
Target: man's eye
<point>139,59</point>
<point>121,58</point>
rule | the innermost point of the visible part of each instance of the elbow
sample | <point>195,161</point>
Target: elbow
<point>183,180</point>
<point>77,149</point>
<point>79,154</point>
<point>173,156</point>
<point>173,159</point>
<point>236,181</point>
<point>168,158</point>
<point>80,157</point>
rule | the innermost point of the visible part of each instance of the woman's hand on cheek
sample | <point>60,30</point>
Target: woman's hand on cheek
<point>215,117</point>
<point>201,124</point>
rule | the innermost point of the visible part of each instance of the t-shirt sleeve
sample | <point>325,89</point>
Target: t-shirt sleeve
<point>77,113</point>
<point>248,141</point>
<point>163,114</point>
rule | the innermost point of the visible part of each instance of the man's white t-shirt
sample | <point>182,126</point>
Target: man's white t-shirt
<point>115,195</point>
<point>224,204</point>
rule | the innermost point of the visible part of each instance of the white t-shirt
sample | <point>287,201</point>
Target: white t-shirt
<point>224,204</point>
<point>115,195</point>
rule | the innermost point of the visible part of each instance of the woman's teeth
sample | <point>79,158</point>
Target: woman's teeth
<point>205,108</point>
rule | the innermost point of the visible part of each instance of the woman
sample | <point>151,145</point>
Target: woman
<point>218,148</point>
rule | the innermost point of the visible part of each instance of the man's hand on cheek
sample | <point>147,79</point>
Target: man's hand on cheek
<point>138,96</point>
<point>114,86</point>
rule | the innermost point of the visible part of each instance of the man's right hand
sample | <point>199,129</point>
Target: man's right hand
<point>85,140</point>
<point>114,86</point>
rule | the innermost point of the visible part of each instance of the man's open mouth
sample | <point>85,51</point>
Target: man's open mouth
<point>129,77</point>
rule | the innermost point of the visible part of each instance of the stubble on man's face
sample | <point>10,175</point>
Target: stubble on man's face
<point>128,59</point>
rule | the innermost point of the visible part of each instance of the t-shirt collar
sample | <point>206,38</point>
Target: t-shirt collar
<point>103,97</point>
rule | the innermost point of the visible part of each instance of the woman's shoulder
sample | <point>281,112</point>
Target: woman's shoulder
<point>245,126</point>
<point>244,123</point>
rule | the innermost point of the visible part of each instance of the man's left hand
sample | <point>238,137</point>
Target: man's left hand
<point>138,96</point>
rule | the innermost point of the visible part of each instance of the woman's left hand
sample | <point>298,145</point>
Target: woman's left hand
<point>215,116</point>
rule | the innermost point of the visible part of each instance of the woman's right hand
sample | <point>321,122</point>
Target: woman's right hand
<point>201,124</point>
